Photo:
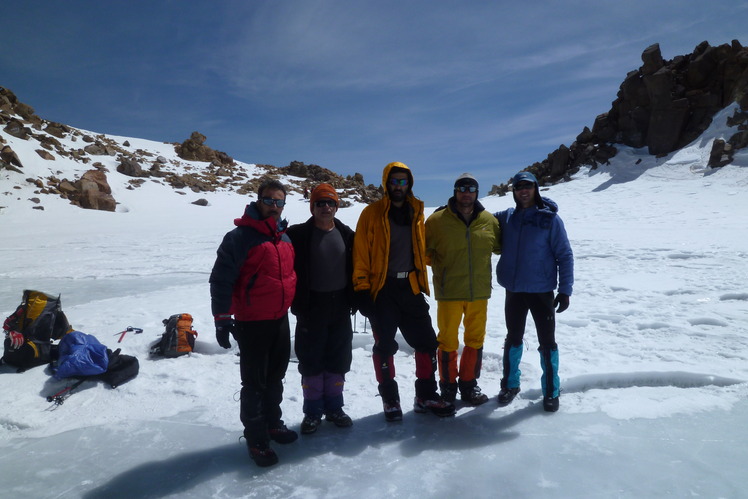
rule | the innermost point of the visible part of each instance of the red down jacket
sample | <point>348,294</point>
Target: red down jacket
<point>253,277</point>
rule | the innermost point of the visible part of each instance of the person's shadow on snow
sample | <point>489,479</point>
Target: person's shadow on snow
<point>416,433</point>
<point>173,475</point>
<point>476,427</point>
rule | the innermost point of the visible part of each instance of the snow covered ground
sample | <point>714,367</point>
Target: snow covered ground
<point>653,354</point>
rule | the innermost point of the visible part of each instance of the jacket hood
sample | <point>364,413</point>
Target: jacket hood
<point>386,174</point>
<point>525,176</point>
<point>549,205</point>
<point>543,205</point>
<point>251,218</point>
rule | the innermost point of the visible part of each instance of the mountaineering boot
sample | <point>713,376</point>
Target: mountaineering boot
<point>262,454</point>
<point>427,399</point>
<point>550,404</point>
<point>434,404</point>
<point>511,373</point>
<point>471,393</point>
<point>392,410</point>
<point>449,391</point>
<point>506,395</point>
<point>280,433</point>
<point>340,418</point>
<point>310,424</point>
<point>474,396</point>
<point>550,382</point>
<point>390,400</point>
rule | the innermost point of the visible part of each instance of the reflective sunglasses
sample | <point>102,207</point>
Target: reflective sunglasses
<point>325,202</point>
<point>469,188</point>
<point>522,186</point>
<point>398,181</point>
<point>280,203</point>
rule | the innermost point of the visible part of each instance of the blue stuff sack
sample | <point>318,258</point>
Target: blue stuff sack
<point>81,354</point>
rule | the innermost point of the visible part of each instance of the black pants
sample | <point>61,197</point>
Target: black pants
<point>397,307</point>
<point>540,305</point>
<point>264,350</point>
<point>323,339</point>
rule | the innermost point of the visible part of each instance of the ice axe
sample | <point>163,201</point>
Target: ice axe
<point>129,328</point>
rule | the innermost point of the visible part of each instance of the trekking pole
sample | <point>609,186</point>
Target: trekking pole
<point>123,333</point>
<point>59,397</point>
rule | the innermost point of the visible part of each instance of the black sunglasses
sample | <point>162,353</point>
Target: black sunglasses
<point>469,188</point>
<point>280,203</point>
<point>524,186</point>
<point>325,202</point>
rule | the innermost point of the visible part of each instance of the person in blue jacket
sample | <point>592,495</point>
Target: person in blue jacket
<point>536,259</point>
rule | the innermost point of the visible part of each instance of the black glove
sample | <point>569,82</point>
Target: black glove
<point>224,328</point>
<point>562,302</point>
<point>364,303</point>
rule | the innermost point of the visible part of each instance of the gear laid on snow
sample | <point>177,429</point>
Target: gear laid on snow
<point>59,397</point>
<point>31,330</point>
<point>178,338</point>
<point>122,334</point>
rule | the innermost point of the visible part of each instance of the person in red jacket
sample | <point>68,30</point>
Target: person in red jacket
<point>252,286</point>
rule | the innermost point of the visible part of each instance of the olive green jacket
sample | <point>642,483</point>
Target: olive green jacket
<point>460,253</point>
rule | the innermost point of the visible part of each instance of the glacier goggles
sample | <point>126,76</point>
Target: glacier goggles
<point>402,182</point>
<point>280,203</point>
<point>468,188</point>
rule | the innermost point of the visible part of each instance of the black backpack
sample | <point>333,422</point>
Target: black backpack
<point>122,368</point>
<point>40,320</point>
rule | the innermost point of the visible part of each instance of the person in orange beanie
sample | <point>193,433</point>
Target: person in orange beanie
<point>322,305</point>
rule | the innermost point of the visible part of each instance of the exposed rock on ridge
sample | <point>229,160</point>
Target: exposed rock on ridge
<point>663,106</point>
<point>215,170</point>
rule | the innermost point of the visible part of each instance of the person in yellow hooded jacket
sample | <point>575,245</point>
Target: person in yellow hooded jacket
<point>460,239</point>
<point>390,284</point>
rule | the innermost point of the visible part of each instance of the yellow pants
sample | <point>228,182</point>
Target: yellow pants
<point>449,315</point>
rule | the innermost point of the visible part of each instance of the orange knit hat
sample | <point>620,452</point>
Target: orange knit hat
<point>322,191</point>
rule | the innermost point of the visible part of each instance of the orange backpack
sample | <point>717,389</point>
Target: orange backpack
<point>178,339</point>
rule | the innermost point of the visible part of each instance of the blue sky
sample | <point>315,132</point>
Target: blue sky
<point>487,87</point>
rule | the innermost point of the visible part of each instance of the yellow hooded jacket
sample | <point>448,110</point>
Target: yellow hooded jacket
<point>371,246</point>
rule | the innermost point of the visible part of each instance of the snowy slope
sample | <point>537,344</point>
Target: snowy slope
<point>653,350</point>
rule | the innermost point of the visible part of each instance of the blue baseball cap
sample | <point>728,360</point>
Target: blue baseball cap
<point>524,177</point>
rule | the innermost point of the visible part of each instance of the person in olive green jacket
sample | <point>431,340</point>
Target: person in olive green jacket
<point>460,238</point>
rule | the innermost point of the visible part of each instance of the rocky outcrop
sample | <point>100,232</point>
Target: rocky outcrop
<point>130,167</point>
<point>45,154</point>
<point>194,149</point>
<point>9,157</point>
<point>91,191</point>
<point>663,106</point>
<point>723,151</point>
<point>348,187</point>
<point>94,192</point>
<point>214,170</point>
